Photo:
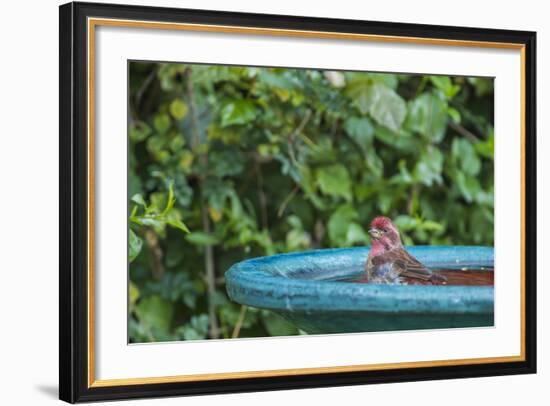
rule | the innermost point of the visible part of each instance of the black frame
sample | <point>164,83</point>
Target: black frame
<point>73,289</point>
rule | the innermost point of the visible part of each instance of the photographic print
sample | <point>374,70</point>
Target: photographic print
<point>257,202</point>
<point>272,201</point>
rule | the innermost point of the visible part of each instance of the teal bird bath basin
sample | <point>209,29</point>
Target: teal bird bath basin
<point>306,289</point>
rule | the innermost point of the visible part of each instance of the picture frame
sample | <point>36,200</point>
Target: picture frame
<point>78,191</point>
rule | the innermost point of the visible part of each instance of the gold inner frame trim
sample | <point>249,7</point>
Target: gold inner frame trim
<point>299,371</point>
<point>94,22</point>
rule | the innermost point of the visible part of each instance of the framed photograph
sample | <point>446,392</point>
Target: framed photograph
<point>255,202</point>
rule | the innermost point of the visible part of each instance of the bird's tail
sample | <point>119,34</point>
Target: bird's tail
<point>437,278</point>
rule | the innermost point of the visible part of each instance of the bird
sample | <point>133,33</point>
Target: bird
<point>389,262</point>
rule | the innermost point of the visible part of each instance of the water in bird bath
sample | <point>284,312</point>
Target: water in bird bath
<point>458,277</point>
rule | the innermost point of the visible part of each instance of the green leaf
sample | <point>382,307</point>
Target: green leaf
<point>196,329</point>
<point>186,160</point>
<point>358,90</point>
<point>401,141</point>
<point>428,116</point>
<point>385,200</point>
<point>135,243</point>
<point>297,240</point>
<point>339,223</point>
<point>178,109</point>
<point>445,84</point>
<point>273,78</point>
<point>406,223</point>
<point>465,154</point>
<point>454,114</point>
<point>334,180</point>
<point>138,198</point>
<point>295,222</point>
<point>483,86</point>
<point>469,187</point>
<point>228,162</point>
<point>238,112</point>
<point>356,235</point>
<point>485,198</point>
<point>180,225</point>
<point>430,225</point>
<point>161,123</point>
<point>404,176</point>
<point>177,142</point>
<point>170,201</point>
<point>374,163</point>
<point>486,148</point>
<point>139,131</point>
<point>201,238</point>
<point>428,169</point>
<point>385,106</point>
<point>155,145</point>
<point>217,192</point>
<point>133,293</point>
<point>360,130</point>
<point>154,222</point>
<point>389,79</point>
<point>307,181</point>
<point>155,312</point>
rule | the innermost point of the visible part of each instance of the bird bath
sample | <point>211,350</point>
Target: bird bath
<point>310,290</point>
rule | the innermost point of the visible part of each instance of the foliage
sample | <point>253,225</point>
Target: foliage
<point>228,163</point>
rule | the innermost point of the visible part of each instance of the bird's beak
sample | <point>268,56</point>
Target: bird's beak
<point>374,233</point>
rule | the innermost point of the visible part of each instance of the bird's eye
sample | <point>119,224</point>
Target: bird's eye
<point>384,230</point>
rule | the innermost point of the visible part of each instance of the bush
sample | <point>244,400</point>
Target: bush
<point>228,163</point>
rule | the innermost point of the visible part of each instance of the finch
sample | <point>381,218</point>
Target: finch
<point>389,263</point>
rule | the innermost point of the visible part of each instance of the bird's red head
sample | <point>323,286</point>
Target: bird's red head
<point>381,223</point>
<point>384,235</point>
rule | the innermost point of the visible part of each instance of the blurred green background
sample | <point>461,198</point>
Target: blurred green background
<point>228,163</point>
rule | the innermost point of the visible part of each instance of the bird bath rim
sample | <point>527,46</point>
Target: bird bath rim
<point>302,282</point>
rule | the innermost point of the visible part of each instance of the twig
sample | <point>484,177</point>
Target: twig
<point>302,125</point>
<point>263,200</point>
<point>148,80</point>
<point>294,134</point>
<point>287,200</point>
<point>335,129</point>
<point>240,321</point>
<point>463,131</point>
<point>412,197</point>
<point>319,233</point>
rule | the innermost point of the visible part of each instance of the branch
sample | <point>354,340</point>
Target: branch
<point>195,141</point>
<point>210,277</point>
<point>463,131</point>
<point>208,250</point>
<point>156,253</point>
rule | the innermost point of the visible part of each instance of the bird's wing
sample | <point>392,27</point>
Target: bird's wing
<point>408,265</point>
